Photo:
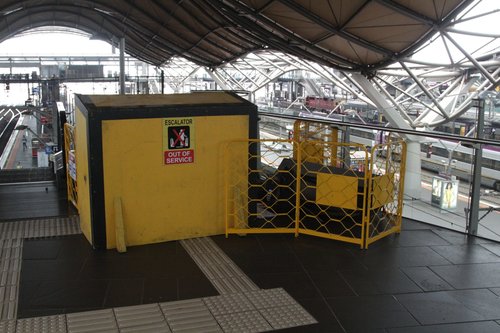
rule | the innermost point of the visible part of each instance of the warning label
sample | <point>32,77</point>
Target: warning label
<point>178,137</point>
<point>179,156</point>
<point>178,140</point>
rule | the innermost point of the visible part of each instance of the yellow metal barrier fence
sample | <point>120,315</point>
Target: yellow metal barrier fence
<point>69,153</point>
<point>260,193</point>
<point>386,189</point>
<point>332,192</point>
<point>340,191</point>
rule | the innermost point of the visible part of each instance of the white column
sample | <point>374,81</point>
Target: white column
<point>413,185</point>
<point>413,161</point>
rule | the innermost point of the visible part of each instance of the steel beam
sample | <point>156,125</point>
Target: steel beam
<point>413,163</point>
<point>122,66</point>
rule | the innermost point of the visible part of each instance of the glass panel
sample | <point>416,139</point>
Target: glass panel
<point>446,174</point>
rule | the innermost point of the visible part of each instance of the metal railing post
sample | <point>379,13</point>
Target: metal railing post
<point>476,176</point>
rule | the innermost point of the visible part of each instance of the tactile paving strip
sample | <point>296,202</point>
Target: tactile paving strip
<point>8,326</point>
<point>160,327</point>
<point>140,316</point>
<point>250,321</point>
<point>92,321</point>
<point>249,312</point>
<point>48,227</point>
<point>11,244</point>
<point>241,307</point>
<point>228,303</point>
<point>221,271</point>
<point>53,324</point>
<point>8,306</point>
<point>287,316</point>
<point>189,316</point>
<point>10,271</point>
<point>270,298</point>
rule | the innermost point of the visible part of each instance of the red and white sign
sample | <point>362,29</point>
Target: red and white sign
<point>179,156</point>
<point>178,140</point>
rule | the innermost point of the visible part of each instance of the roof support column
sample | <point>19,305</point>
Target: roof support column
<point>162,81</point>
<point>218,79</point>
<point>413,161</point>
<point>122,66</point>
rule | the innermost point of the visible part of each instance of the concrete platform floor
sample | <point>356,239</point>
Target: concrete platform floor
<point>427,279</point>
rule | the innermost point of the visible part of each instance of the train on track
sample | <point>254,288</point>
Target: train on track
<point>324,104</point>
<point>435,157</point>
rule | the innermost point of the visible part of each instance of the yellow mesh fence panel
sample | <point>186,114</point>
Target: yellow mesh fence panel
<point>331,196</point>
<point>386,192</point>
<point>69,154</point>
<point>260,185</point>
<point>312,135</point>
<point>317,186</point>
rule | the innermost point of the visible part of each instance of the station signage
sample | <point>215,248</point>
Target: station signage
<point>444,193</point>
<point>178,140</point>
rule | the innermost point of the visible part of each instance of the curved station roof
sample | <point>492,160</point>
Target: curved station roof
<point>352,35</point>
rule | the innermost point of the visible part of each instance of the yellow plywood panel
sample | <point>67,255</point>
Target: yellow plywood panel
<point>161,201</point>
<point>82,174</point>
<point>337,190</point>
<point>117,101</point>
<point>383,190</point>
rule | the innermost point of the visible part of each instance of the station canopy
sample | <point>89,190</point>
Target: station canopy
<point>352,35</point>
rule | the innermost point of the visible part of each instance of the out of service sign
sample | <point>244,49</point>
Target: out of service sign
<point>178,140</point>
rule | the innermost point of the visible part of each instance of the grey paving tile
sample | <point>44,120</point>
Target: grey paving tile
<point>332,284</point>
<point>466,254</point>
<point>298,285</point>
<point>482,326</point>
<point>445,307</point>
<point>401,257</point>
<point>493,247</point>
<point>322,312</point>
<point>470,276</point>
<point>379,281</point>
<point>458,238</point>
<point>496,291</point>
<point>316,259</point>
<point>419,238</point>
<point>279,311</point>
<point>365,313</point>
<point>426,279</point>
<point>414,225</point>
